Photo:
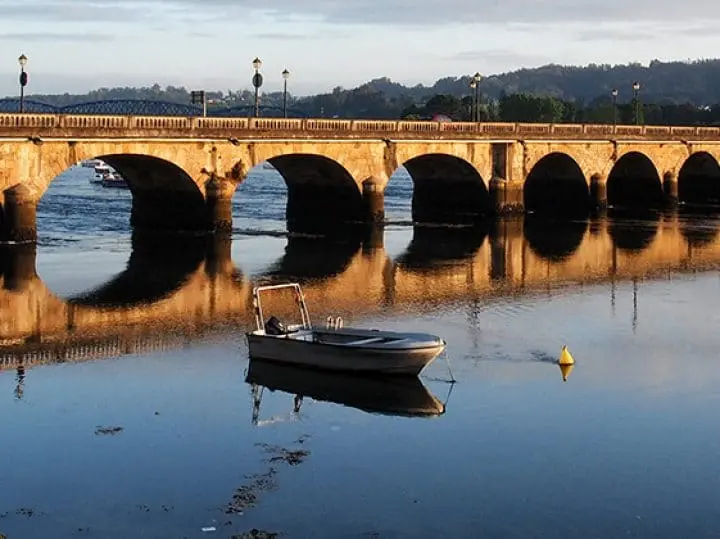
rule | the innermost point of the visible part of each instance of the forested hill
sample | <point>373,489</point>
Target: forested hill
<point>696,83</point>
<point>676,82</point>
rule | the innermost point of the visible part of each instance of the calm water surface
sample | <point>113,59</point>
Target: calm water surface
<point>153,424</point>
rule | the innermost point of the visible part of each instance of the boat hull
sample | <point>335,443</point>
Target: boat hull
<point>306,353</point>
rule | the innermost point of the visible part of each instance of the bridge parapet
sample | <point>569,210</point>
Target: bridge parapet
<point>67,125</point>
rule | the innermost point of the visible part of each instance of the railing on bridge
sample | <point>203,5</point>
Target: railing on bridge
<point>196,126</point>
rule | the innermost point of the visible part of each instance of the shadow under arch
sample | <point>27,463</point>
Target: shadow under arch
<point>321,192</point>
<point>164,196</point>
<point>309,259</point>
<point>699,180</point>
<point>447,189</point>
<point>557,185</point>
<point>633,232</point>
<point>634,183</point>
<point>433,247</point>
<point>552,239</point>
<point>159,265</point>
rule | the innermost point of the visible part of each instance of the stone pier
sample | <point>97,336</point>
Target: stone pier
<point>19,223</point>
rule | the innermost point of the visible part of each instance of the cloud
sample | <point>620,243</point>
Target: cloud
<point>616,34</point>
<point>76,11</point>
<point>385,13</point>
<point>27,37</point>
<point>278,36</point>
<point>502,56</point>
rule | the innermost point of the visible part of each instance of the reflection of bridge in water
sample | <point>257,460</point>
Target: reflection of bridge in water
<point>175,292</point>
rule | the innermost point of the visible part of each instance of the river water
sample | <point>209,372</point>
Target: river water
<point>184,438</point>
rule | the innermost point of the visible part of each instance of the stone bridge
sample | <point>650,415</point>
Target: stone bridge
<point>197,291</point>
<point>183,171</point>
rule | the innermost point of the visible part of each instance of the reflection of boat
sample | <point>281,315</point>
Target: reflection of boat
<point>391,395</point>
<point>338,348</point>
<point>113,179</point>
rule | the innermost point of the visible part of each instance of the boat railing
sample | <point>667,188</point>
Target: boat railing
<point>299,301</point>
<point>334,322</point>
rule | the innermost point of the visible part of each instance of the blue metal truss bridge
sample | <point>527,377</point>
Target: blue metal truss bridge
<point>142,107</point>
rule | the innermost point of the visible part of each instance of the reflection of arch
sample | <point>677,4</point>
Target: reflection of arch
<point>446,189</point>
<point>314,258</point>
<point>320,191</point>
<point>164,195</point>
<point>158,266</point>
<point>432,247</point>
<point>633,235</point>
<point>699,231</point>
<point>699,180</point>
<point>553,240</point>
<point>634,183</point>
<point>556,184</point>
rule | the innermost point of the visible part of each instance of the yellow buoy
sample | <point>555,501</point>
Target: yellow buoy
<point>565,357</point>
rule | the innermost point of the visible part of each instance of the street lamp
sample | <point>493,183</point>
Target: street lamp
<point>257,81</point>
<point>636,93</point>
<point>614,100</point>
<point>285,76</point>
<point>477,77</point>
<point>23,81</point>
<point>472,105</point>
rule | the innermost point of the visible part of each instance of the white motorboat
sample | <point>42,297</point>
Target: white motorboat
<point>113,179</point>
<point>336,347</point>
<point>92,163</point>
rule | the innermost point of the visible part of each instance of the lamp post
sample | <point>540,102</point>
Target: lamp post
<point>636,94</point>
<point>477,77</point>
<point>23,81</point>
<point>472,106</point>
<point>257,81</point>
<point>614,101</point>
<point>285,76</point>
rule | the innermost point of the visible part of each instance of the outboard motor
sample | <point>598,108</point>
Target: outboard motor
<point>274,326</point>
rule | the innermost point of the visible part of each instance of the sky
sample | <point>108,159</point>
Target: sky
<point>78,45</point>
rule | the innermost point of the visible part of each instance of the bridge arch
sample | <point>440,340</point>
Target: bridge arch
<point>446,189</point>
<point>164,195</point>
<point>321,192</point>
<point>557,185</point>
<point>634,183</point>
<point>699,180</point>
